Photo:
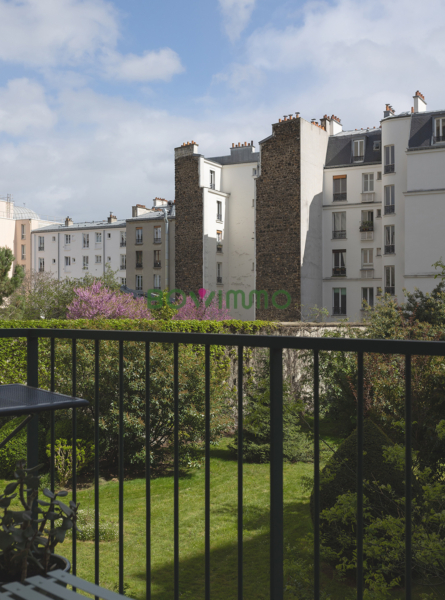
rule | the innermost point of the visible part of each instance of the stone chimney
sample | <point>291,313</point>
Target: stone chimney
<point>68,222</point>
<point>186,149</point>
<point>112,218</point>
<point>389,111</point>
<point>419,102</point>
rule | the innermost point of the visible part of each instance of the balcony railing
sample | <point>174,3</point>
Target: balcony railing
<point>157,287</point>
<point>438,138</point>
<point>390,290</point>
<point>41,269</point>
<point>339,197</point>
<point>138,265</point>
<point>339,272</point>
<point>212,186</point>
<point>358,158</point>
<point>368,197</point>
<point>389,169</point>
<point>366,226</point>
<point>139,241</point>
<point>339,234</point>
<point>41,248</point>
<point>219,280</point>
<point>157,240</point>
<point>339,310</point>
<point>123,243</point>
<point>157,264</point>
<point>219,248</point>
<point>123,266</point>
<point>46,342</point>
<point>367,272</point>
<point>390,249</point>
<point>219,217</point>
<point>389,209</point>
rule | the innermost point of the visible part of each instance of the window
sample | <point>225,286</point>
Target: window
<point>390,280</point>
<point>123,262</point>
<point>138,235</point>
<point>367,297</point>
<point>367,261</point>
<point>109,259</point>
<point>67,239</point>
<point>379,175</point>
<point>212,180</point>
<point>389,195</point>
<point>378,252</point>
<point>138,259</point>
<point>339,301</point>
<point>54,261</point>
<point>219,210</point>
<point>358,150</point>
<point>86,240</point>
<point>219,273</point>
<point>123,238</point>
<point>23,252</point>
<point>339,188</point>
<point>338,263</point>
<point>108,235</point>
<point>218,236</point>
<point>67,261</point>
<point>339,225</point>
<point>157,282</point>
<point>139,283</point>
<point>254,172</point>
<point>389,239</point>
<point>376,145</point>
<point>157,234</point>
<point>74,260</point>
<point>41,242</point>
<point>157,259</point>
<point>379,213</point>
<point>54,238</point>
<point>389,159</point>
<point>85,263</point>
<point>123,280</point>
<point>98,259</point>
<point>98,238</point>
<point>22,228</point>
<point>41,265</point>
<point>439,129</point>
<point>368,182</point>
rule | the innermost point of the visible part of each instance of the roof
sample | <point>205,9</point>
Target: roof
<point>20,212</point>
<point>240,155</point>
<point>87,225</point>
<point>339,152</point>
<point>154,215</point>
<point>421,131</point>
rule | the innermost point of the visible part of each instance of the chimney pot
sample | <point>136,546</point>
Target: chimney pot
<point>251,143</point>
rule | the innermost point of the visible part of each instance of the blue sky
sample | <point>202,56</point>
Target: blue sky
<point>95,94</point>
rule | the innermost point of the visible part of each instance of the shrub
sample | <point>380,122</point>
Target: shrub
<point>14,450</point>
<point>202,309</point>
<point>63,458</point>
<point>99,302</point>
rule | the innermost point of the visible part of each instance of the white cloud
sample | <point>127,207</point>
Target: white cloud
<point>236,15</point>
<point>23,108</point>
<point>151,65</point>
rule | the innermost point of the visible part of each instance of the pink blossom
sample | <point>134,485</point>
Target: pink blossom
<point>212,312</point>
<point>97,302</point>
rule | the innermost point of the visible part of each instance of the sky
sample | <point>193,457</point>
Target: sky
<point>96,94</point>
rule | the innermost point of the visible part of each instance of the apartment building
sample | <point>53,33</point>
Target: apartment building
<point>383,209</point>
<point>150,257</point>
<point>72,249</point>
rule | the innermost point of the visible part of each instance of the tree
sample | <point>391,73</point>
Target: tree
<point>99,302</point>
<point>202,309</point>
<point>9,284</point>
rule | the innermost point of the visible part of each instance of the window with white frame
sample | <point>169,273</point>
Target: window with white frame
<point>23,253</point>
<point>98,237</point>
<point>123,262</point>
<point>157,234</point>
<point>218,235</point>
<point>108,259</point>
<point>389,199</point>
<point>439,129</point>
<point>367,297</point>
<point>41,243</point>
<point>67,239</point>
<point>109,236</point>
<point>367,258</point>
<point>85,263</point>
<point>389,239</point>
<point>123,280</point>
<point>67,261</point>
<point>219,216</point>
<point>358,150</point>
<point>368,182</point>
<point>389,159</point>
<point>139,283</point>
<point>339,225</point>
<point>219,272</point>
<point>338,263</point>
<point>138,235</point>
<point>339,185</point>
<point>54,238</point>
<point>212,180</point>
<point>23,234</point>
<point>339,301</point>
<point>41,265</point>
<point>85,240</point>
<point>157,282</point>
<point>123,238</point>
<point>98,258</point>
<point>390,280</point>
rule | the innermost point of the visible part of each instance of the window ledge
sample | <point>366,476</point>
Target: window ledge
<point>218,221</point>
<point>338,239</point>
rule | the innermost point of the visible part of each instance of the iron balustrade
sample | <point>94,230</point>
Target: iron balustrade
<point>391,290</point>
<point>139,241</point>
<point>157,240</point>
<point>157,264</point>
<point>276,346</point>
<point>339,234</point>
<point>390,249</point>
<point>138,265</point>
<point>389,209</point>
<point>41,248</point>
<point>358,158</point>
<point>339,310</point>
<point>219,248</point>
<point>339,272</point>
<point>219,280</point>
<point>123,243</point>
<point>339,196</point>
<point>389,169</point>
<point>438,138</point>
<point>366,226</point>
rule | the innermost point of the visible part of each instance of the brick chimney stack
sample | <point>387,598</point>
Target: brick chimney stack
<point>112,218</point>
<point>186,149</point>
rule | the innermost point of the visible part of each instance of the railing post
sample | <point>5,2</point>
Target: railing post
<point>32,458</point>
<point>276,474</point>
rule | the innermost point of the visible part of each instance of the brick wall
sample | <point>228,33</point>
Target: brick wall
<point>278,253</point>
<point>188,224</point>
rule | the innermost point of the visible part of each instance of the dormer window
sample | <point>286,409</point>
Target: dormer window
<point>358,150</point>
<point>439,130</point>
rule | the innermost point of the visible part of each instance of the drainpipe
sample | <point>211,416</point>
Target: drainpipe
<point>166,248</point>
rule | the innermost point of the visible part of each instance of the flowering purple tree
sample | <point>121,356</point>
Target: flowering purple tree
<point>201,312</point>
<point>98,301</point>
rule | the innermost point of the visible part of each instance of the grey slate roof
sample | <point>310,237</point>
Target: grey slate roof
<point>80,226</point>
<point>422,130</point>
<point>339,152</point>
<point>154,215</point>
<point>241,155</point>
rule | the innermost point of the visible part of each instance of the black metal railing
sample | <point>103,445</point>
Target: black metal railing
<point>139,241</point>
<point>123,243</point>
<point>219,248</point>
<point>138,264</point>
<point>439,138</point>
<point>339,310</point>
<point>123,267</point>
<point>390,249</point>
<point>339,234</point>
<point>389,209</point>
<point>338,271</point>
<point>157,240</point>
<point>219,280</point>
<point>366,226</point>
<point>358,158</point>
<point>219,217</point>
<point>41,248</point>
<point>389,169</point>
<point>391,290</point>
<point>212,186</point>
<point>276,346</point>
<point>339,196</point>
<point>157,264</point>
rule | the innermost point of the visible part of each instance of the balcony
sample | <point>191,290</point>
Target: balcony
<point>41,269</point>
<point>41,248</point>
<point>390,290</point>
<point>219,280</point>
<point>124,243</point>
<point>138,264</point>
<point>339,310</point>
<point>219,248</point>
<point>389,209</point>
<point>157,240</point>
<point>339,234</point>
<point>368,196</point>
<point>366,226</point>
<point>123,267</point>
<point>388,169</point>
<point>157,264</point>
<point>339,197</point>
<point>437,139</point>
<point>358,158</point>
<point>390,249</point>
<point>339,272</point>
<point>139,241</point>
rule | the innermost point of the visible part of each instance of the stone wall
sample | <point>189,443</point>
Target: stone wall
<point>189,224</point>
<point>278,251</point>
